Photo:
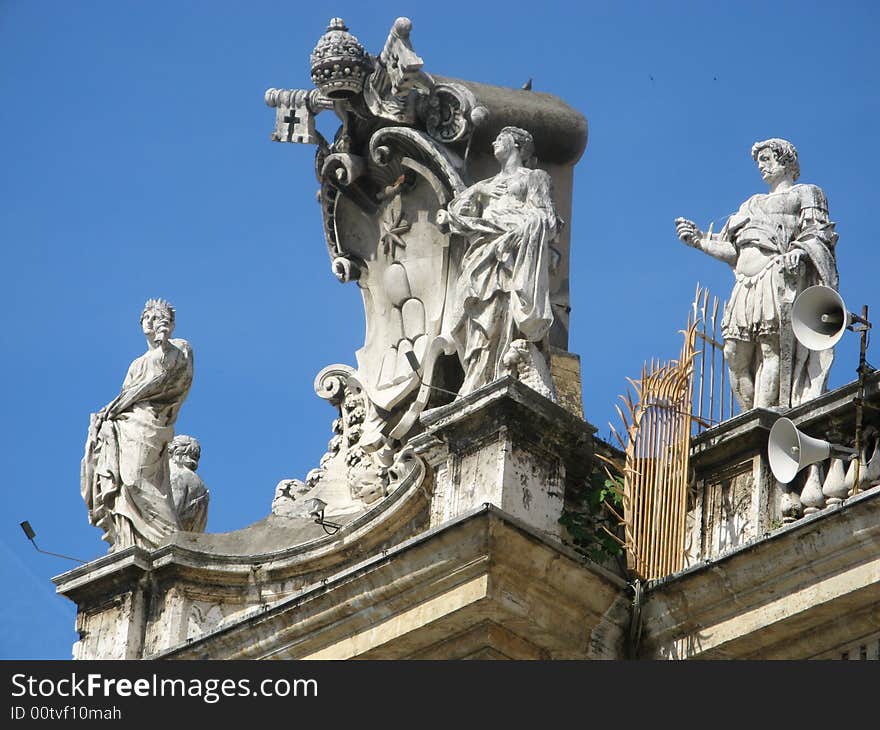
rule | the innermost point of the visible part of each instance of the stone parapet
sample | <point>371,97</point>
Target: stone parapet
<point>735,497</point>
<point>481,586</point>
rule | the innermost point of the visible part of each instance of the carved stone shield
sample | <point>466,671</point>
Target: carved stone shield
<point>380,221</point>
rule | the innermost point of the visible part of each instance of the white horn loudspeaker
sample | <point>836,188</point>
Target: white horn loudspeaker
<point>791,450</point>
<point>819,317</point>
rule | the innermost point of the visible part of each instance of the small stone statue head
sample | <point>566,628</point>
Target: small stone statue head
<point>157,319</point>
<point>185,451</point>
<point>785,152</point>
<point>514,138</point>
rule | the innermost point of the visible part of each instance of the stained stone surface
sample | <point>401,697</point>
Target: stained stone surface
<point>506,445</point>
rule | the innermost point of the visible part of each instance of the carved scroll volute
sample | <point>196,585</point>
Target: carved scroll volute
<point>416,151</point>
<point>330,383</point>
<point>450,112</point>
<point>343,169</point>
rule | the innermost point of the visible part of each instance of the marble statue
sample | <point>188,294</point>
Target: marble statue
<point>778,243</point>
<point>503,294</point>
<point>188,491</point>
<point>125,473</point>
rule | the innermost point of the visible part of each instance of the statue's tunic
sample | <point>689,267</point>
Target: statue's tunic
<point>504,290</point>
<point>776,224</point>
<point>125,478</point>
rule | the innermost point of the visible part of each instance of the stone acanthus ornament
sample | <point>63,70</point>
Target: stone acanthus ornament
<point>349,479</point>
<point>778,244</point>
<point>187,488</point>
<point>125,474</point>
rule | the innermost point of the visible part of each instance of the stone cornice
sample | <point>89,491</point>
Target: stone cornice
<point>388,522</point>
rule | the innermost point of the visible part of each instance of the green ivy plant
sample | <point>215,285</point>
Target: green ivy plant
<point>591,515</point>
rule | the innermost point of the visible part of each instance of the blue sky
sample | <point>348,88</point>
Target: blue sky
<point>136,163</point>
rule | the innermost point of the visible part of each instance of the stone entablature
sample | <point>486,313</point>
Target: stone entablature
<point>486,585</point>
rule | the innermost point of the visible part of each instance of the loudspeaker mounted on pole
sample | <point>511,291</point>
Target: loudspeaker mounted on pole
<point>790,450</point>
<point>819,317</point>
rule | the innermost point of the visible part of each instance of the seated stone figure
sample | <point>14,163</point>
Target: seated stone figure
<point>509,222</point>
<point>187,488</point>
<point>125,475</point>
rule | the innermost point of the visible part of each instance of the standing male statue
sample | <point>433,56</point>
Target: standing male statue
<point>125,478</point>
<point>778,244</point>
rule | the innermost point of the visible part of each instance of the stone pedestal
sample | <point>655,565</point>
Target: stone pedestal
<point>508,446</point>
<point>111,595</point>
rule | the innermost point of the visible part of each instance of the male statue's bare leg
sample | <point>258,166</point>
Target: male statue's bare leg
<point>767,377</point>
<point>739,356</point>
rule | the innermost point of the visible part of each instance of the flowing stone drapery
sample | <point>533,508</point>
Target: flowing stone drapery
<point>503,293</point>
<point>125,475</point>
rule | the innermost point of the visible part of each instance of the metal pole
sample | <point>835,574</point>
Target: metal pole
<point>863,365</point>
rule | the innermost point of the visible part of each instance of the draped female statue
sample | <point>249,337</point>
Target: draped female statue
<point>503,295</point>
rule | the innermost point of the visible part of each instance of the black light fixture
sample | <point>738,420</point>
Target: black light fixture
<point>30,534</point>
<point>316,507</point>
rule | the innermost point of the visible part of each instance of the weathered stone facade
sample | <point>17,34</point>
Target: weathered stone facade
<point>479,582</point>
